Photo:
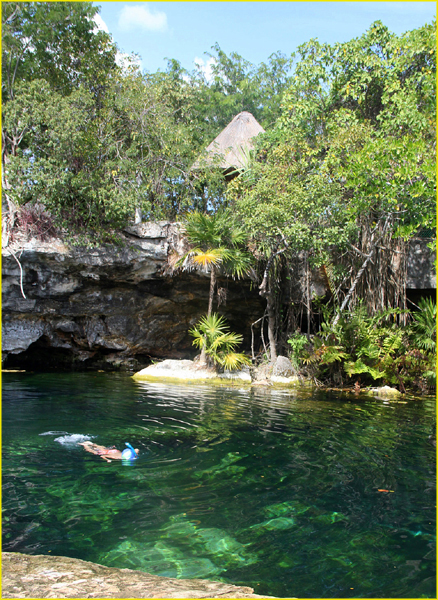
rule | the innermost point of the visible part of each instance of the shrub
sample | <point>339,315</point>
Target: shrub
<point>298,342</point>
<point>34,221</point>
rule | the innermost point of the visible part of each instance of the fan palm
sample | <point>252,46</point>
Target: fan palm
<point>212,336</point>
<point>216,241</point>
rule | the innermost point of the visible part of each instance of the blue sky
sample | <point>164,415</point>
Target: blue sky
<point>186,30</point>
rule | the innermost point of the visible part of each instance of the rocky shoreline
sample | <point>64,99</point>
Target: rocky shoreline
<point>189,370</point>
<point>39,576</point>
<point>282,374</point>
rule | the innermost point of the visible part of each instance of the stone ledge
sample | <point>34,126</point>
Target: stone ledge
<point>188,370</point>
<point>38,576</point>
<point>385,392</point>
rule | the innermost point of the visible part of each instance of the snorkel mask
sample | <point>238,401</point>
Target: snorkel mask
<point>129,453</point>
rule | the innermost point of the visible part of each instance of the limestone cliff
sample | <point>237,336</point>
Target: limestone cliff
<point>114,307</point>
<point>108,307</point>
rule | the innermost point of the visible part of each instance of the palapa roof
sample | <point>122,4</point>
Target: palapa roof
<point>232,143</point>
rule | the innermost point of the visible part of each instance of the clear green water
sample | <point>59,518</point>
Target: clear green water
<point>271,489</point>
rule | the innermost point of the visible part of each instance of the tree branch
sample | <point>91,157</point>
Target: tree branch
<point>361,270</point>
<point>21,274</point>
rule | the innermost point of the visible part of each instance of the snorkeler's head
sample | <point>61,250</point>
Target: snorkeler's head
<point>129,453</point>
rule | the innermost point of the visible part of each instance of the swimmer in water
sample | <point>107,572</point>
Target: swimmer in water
<point>107,454</point>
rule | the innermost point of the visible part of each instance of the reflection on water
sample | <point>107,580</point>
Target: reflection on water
<point>292,493</point>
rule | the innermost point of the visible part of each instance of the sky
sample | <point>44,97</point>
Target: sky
<point>187,31</point>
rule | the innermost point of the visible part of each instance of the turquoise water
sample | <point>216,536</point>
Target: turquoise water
<point>272,489</point>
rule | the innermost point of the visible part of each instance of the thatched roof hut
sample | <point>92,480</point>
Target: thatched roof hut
<point>233,143</point>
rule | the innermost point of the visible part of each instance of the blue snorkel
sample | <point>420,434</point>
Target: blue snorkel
<point>129,453</point>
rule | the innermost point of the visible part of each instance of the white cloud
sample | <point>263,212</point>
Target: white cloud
<point>141,17</point>
<point>206,67</point>
<point>123,60</point>
<point>129,61</point>
<point>100,24</point>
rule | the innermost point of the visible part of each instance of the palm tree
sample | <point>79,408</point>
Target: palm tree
<point>211,334</point>
<point>217,242</point>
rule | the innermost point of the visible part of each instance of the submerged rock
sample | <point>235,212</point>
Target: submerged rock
<point>225,466</point>
<point>161,559</point>
<point>290,507</point>
<point>331,518</point>
<point>25,576</point>
<point>274,524</point>
<point>223,548</point>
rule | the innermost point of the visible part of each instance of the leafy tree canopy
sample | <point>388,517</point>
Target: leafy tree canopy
<point>54,41</point>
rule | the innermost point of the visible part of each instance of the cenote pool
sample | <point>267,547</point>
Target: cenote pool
<point>273,489</point>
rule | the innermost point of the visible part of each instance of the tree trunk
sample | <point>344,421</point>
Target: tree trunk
<point>212,287</point>
<point>270,304</point>
<point>203,357</point>
<point>309,304</point>
<point>353,286</point>
<point>8,216</point>
<point>266,292</point>
<point>368,257</point>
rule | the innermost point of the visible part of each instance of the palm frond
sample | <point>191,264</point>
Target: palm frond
<point>239,262</point>
<point>199,338</point>
<point>232,361</point>
<point>423,325</point>
<point>213,325</point>
<point>202,229</point>
<point>227,341</point>
<point>212,335</point>
<point>213,256</point>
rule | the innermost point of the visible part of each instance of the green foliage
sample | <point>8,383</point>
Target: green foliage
<point>423,326</point>
<point>416,367</point>
<point>237,85</point>
<point>375,348</point>
<point>370,103</point>
<point>288,201</point>
<point>384,79</point>
<point>212,335</point>
<point>349,152</point>
<point>350,116</point>
<point>93,163</point>
<point>298,343</point>
<point>54,41</point>
<point>349,167</point>
<point>346,149</point>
